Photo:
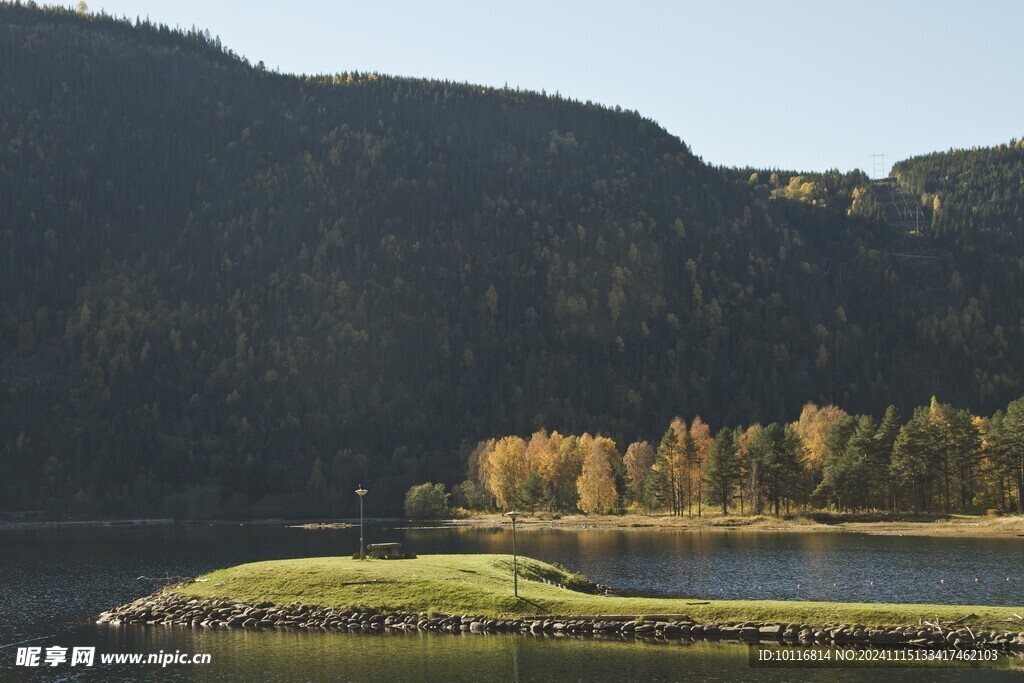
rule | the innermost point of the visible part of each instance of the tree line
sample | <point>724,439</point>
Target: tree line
<point>940,459</point>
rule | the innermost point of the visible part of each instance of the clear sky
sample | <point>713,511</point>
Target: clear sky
<point>796,84</point>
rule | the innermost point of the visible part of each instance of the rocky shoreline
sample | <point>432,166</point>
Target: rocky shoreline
<point>168,608</point>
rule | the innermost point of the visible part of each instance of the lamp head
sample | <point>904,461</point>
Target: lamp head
<point>513,514</point>
<point>360,491</point>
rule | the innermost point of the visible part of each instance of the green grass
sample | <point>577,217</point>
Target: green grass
<point>482,585</point>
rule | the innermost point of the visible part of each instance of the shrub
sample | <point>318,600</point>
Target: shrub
<point>426,501</point>
<point>473,497</point>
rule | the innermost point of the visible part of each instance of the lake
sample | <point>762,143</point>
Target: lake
<point>53,583</point>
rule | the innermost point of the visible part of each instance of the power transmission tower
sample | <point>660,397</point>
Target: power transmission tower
<point>878,166</point>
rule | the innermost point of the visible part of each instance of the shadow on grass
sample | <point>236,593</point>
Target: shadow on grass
<point>536,606</point>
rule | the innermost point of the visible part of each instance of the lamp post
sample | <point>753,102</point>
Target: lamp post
<point>361,492</point>
<point>513,515</point>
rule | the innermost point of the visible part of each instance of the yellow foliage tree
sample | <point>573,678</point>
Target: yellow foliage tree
<point>541,456</point>
<point>506,470</point>
<point>570,466</point>
<point>695,450</point>
<point>812,428</point>
<point>542,459</point>
<point>596,483</point>
<point>478,467</point>
<point>639,460</point>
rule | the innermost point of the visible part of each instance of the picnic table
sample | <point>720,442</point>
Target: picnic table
<point>388,551</point>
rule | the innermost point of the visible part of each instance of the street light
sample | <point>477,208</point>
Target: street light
<point>515,562</point>
<point>361,492</point>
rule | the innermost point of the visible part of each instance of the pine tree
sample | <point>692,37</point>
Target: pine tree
<point>940,417</point>
<point>913,458</point>
<point>721,471</point>
<point>667,464</point>
<point>965,454</point>
<point>750,484</point>
<point>885,442</point>
<point>1012,442</point>
<point>777,448</point>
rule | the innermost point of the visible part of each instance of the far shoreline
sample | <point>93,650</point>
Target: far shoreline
<point>960,526</point>
<point>963,526</point>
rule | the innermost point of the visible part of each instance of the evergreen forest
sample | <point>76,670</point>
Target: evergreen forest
<point>231,292</point>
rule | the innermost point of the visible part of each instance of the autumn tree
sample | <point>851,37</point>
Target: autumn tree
<point>813,428</point>
<point>542,462</point>
<point>596,484</point>
<point>478,466</point>
<point>696,446</point>
<point>571,454</point>
<point>682,472</point>
<point>639,460</point>
<point>507,470</point>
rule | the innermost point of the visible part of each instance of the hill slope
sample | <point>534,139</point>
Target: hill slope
<point>221,284</point>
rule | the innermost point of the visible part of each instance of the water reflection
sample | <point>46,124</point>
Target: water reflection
<point>785,565</point>
<point>53,582</point>
<point>296,656</point>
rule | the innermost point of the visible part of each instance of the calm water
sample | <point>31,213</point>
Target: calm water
<point>53,582</point>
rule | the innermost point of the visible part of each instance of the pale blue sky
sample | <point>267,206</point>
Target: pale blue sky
<point>789,84</point>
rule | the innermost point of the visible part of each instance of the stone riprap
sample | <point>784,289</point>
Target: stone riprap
<point>168,608</point>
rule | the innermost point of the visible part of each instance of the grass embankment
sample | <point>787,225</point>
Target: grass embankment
<point>482,585</point>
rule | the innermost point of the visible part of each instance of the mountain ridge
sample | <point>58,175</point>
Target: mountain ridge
<point>217,275</point>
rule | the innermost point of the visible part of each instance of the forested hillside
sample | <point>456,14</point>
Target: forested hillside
<point>224,288</point>
<point>977,195</point>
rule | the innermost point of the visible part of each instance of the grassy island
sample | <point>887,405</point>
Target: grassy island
<point>482,585</point>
